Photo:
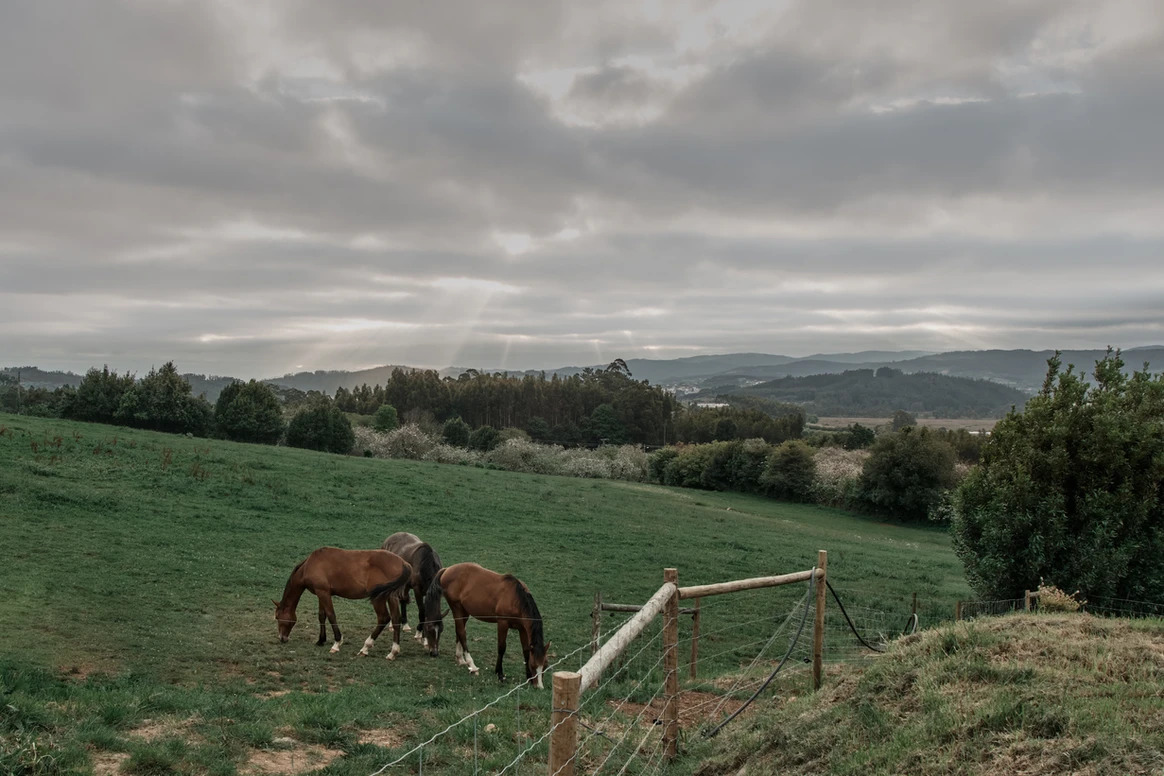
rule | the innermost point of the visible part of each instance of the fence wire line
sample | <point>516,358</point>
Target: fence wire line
<point>804,602</point>
<point>593,695</point>
<point>468,716</point>
<point>783,660</point>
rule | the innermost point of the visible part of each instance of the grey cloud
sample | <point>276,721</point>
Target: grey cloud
<point>359,141</point>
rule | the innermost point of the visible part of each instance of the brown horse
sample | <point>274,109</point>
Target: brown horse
<point>330,571</point>
<point>473,591</point>
<point>425,565</point>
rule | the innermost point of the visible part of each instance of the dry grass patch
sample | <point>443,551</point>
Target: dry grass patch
<point>298,758</point>
<point>1019,694</point>
<point>108,763</point>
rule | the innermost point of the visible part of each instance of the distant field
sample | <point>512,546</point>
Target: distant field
<point>951,423</point>
<point>153,559</point>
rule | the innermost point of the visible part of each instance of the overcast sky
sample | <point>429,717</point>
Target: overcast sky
<point>252,188</point>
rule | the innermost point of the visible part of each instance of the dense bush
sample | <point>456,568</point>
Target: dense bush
<point>456,432</point>
<point>790,472</point>
<point>161,401</point>
<point>321,426</point>
<point>99,395</point>
<point>249,412</point>
<point>1071,489</point>
<point>385,418</point>
<point>906,473</point>
<point>484,438</point>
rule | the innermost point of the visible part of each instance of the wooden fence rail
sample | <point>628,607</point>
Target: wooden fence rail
<point>569,685</point>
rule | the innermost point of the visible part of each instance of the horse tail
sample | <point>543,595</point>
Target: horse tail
<point>401,582</point>
<point>432,598</point>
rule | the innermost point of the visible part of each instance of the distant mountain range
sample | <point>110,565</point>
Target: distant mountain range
<point>1022,370</point>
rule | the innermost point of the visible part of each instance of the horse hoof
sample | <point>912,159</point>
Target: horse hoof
<point>334,649</point>
<point>362,653</point>
<point>474,671</point>
<point>405,628</point>
<point>391,656</point>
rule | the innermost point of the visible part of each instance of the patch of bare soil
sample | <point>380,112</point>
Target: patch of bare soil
<point>153,729</point>
<point>108,763</point>
<point>385,737</point>
<point>300,758</point>
<point>694,707</point>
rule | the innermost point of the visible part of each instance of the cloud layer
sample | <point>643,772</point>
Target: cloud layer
<point>253,188</point>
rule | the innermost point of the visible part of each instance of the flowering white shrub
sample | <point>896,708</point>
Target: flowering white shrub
<point>628,463</point>
<point>521,455</point>
<point>408,441</point>
<point>837,473</point>
<point>442,453</point>
<point>586,465</point>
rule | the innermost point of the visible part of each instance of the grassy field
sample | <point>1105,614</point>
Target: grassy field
<point>136,624</point>
<point>953,424</point>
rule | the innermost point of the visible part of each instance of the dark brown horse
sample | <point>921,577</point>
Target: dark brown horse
<point>425,565</point>
<point>330,571</point>
<point>473,591</point>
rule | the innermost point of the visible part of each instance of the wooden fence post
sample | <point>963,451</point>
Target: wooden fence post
<point>1026,600</point>
<point>596,624</point>
<point>957,611</point>
<point>671,668</point>
<point>564,723</point>
<point>914,612</point>
<point>822,563</point>
<point>695,641</point>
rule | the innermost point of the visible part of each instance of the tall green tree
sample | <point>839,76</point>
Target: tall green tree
<point>161,401</point>
<point>99,395</point>
<point>1069,490</point>
<point>249,412</point>
<point>907,473</point>
<point>321,426</point>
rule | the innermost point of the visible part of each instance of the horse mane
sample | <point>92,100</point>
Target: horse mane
<point>291,579</point>
<point>529,610</point>
<point>428,563</point>
<point>432,599</point>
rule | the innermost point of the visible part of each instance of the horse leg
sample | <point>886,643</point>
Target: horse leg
<point>523,633</point>
<point>420,617</point>
<point>502,636</point>
<point>322,624</point>
<point>381,621</point>
<point>404,611</point>
<point>460,617</point>
<point>325,602</point>
<point>394,609</point>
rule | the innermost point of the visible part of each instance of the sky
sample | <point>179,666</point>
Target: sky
<point>266,186</point>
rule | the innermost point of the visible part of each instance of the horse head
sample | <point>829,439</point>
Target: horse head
<point>432,629</point>
<point>285,620</point>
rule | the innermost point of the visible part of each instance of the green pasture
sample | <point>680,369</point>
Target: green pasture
<point>138,570</point>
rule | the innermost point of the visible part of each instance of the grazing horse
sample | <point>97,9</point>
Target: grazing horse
<point>425,565</point>
<point>473,591</point>
<point>330,571</point>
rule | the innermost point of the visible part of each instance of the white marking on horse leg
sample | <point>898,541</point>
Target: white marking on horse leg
<point>460,655</point>
<point>472,666</point>
<point>540,678</point>
<point>405,628</point>
<point>335,647</point>
<point>368,643</point>
<point>418,635</point>
<point>424,642</point>
<point>392,653</point>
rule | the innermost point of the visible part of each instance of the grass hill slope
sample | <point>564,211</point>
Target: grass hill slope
<point>139,569</point>
<point>1039,695</point>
